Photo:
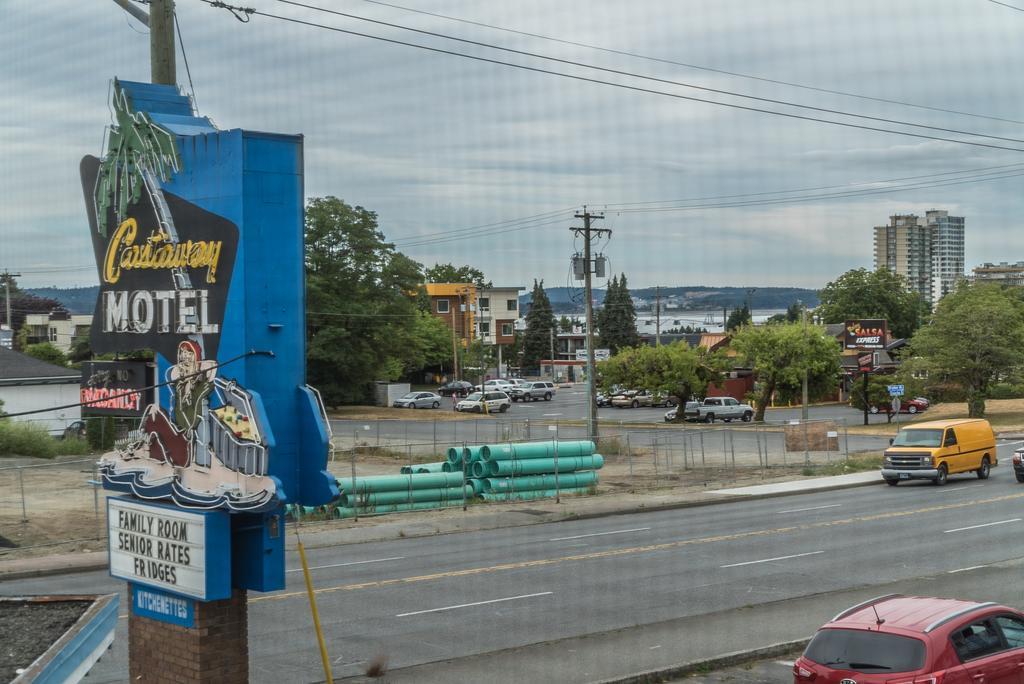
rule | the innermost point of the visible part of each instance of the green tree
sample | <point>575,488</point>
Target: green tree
<point>449,273</point>
<point>861,293</point>
<point>540,325</point>
<point>364,320</point>
<point>45,351</point>
<point>564,324</point>
<point>792,314</point>
<point>779,354</point>
<point>877,394</point>
<point>476,359</point>
<point>616,320</point>
<point>672,369</point>
<point>974,338</point>
<point>738,318</point>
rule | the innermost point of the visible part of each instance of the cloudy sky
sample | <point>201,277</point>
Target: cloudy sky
<point>476,162</point>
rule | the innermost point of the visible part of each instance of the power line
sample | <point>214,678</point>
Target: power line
<point>1013,7</point>
<point>636,55</point>
<point>633,88</point>
<point>184,57</point>
<point>630,74</point>
<point>524,219</point>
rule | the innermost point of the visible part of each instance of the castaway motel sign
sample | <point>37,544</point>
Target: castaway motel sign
<point>197,234</point>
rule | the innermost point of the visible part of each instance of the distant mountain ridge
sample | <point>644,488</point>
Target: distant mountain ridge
<point>688,297</point>
<point>77,300</point>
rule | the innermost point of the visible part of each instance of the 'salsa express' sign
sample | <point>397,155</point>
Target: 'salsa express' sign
<point>165,547</point>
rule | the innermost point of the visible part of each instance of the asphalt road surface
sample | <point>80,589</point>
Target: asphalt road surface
<point>453,596</point>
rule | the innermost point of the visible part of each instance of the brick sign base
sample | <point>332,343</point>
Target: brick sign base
<point>215,649</point>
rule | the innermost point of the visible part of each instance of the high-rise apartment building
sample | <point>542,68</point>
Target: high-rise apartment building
<point>947,237</point>
<point>928,252</point>
<point>904,246</point>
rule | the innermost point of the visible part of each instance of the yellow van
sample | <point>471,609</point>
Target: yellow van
<point>940,448</point>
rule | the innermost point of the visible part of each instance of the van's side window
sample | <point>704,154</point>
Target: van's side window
<point>950,438</point>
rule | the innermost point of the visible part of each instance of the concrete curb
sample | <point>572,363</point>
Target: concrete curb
<point>93,563</point>
<point>710,664</point>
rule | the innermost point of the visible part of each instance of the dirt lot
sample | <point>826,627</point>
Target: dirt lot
<point>65,513</point>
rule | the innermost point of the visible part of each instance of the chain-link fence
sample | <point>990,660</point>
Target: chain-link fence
<point>51,503</point>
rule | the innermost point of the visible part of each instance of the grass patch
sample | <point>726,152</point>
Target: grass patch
<point>1005,415</point>
<point>855,464</point>
<point>28,439</point>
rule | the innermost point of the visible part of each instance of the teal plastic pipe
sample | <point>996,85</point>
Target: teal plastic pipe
<point>388,483</point>
<point>413,496</point>
<point>454,454</point>
<point>505,452</point>
<point>532,494</point>
<point>477,485</point>
<point>580,478</point>
<point>473,453</point>
<point>343,512</point>
<point>429,467</point>
<point>540,466</point>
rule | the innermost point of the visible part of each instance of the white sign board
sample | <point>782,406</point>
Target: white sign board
<point>599,354</point>
<point>159,547</point>
<point>896,390</point>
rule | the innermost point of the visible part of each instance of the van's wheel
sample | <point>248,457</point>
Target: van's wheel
<point>942,477</point>
<point>747,416</point>
<point>710,418</point>
<point>985,469</point>
<point>504,407</point>
<point>891,482</point>
<point>1020,477</point>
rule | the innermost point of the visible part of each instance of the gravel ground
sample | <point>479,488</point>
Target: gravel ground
<point>31,627</point>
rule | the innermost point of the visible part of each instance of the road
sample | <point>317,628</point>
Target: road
<point>451,596</point>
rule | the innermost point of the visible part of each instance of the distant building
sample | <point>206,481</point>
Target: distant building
<point>60,328</point>
<point>928,252</point>
<point>1003,273</point>
<point>497,313</point>
<point>947,242</point>
<point>455,304</point>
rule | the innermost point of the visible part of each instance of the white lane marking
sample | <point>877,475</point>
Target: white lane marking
<point>546,415</point>
<point>477,603</point>
<point>769,560</point>
<point>342,565</point>
<point>973,567</point>
<point>600,534</point>
<point>651,648</point>
<point>1016,441</point>
<point>974,527</point>
<point>813,508</point>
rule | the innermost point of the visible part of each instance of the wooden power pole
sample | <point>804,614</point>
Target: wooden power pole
<point>587,233</point>
<point>160,21</point>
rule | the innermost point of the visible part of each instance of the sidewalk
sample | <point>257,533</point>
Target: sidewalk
<point>492,516</point>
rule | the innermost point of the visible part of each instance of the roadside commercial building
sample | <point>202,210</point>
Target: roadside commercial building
<point>928,252</point>
<point>59,328</point>
<point>1003,273</point>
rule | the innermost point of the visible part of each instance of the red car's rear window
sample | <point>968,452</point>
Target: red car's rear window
<point>863,651</point>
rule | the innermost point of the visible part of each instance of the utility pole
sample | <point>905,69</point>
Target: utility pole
<point>161,42</point>
<point>160,21</point>
<point>586,232</point>
<point>551,340</point>
<point>7,293</point>
<point>455,344</point>
<point>657,316</point>
<point>803,409</point>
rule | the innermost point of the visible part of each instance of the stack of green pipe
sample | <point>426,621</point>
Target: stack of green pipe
<point>410,491</point>
<point>386,508</point>
<point>583,478</point>
<point>438,494</point>
<point>390,483</point>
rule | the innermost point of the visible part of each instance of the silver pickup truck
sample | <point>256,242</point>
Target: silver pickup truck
<point>719,408</point>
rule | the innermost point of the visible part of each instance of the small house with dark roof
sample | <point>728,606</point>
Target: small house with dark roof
<point>28,384</point>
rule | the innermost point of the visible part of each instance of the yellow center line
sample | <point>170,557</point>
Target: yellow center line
<point>611,553</point>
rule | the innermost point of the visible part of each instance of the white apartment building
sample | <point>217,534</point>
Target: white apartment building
<point>947,242</point>
<point>497,309</point>
<point>1003,273</point>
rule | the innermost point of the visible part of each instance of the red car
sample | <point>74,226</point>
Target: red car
<point>899,639</point>
<point>906,406</point>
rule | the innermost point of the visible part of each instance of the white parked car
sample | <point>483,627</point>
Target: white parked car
<point>499,384</point>
<point>479,402</point>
